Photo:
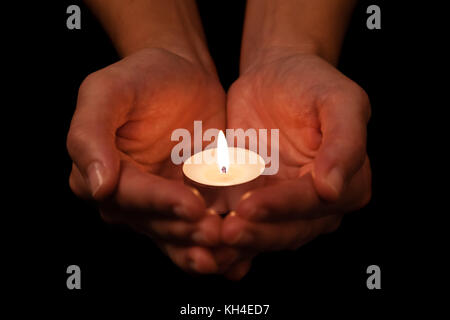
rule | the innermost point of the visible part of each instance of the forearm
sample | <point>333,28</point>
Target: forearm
<point>310,26</point>
<point>173,25</point>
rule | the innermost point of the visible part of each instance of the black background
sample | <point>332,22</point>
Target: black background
<point>325,276</point>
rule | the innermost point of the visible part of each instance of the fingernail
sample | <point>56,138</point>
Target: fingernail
<point>95,173</point>
<point>242,238</point>
<point>211,211</point>
<point>335,180</point>
<point>232,213</point>
<point>196,192</point>
<point>198,237</point>
<point>246,195</point>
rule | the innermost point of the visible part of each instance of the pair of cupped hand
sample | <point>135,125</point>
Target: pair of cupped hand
<point>119,141</point>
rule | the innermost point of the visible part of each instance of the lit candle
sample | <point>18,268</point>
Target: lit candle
<point>223,166</point>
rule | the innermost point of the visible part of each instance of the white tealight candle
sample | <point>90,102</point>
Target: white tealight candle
<point>223,166</point>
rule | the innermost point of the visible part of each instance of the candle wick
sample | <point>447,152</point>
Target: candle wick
<point>224,169</point>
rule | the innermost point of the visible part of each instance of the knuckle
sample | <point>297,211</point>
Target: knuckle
<point>89,83</point>
<point>359,93</point>
<point>106,81</point>
<point>95,81</point>
<point>76,139</point>
<point>361,96</point>
<point>351,89</point>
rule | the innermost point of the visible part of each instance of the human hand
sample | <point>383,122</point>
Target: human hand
<point>119,141</point>
<point>324,170</point>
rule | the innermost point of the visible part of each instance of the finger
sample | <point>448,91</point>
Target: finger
<point>226,257</point>
<point>290,199</point>
<point>78,184</point>
<point>101,108</point>
<point>206,232</point>
<point>262,236</point>
<point>238,270</point>
<point>191,259</point>
<point>298,199</point>
<point>150,195</point>
<point>343,120</point>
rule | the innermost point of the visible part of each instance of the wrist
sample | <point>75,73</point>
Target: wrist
<point>270,53</point>
<point>294,26</point>
<point>170,25</point>
<point>195,52</point>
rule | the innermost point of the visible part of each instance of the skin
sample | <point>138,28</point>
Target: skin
<point>119,135</point>
<point>324,169</point>
<point>127,167</point>
<point>289,82</point>
<point>125,114</point>
<point>119,138</point>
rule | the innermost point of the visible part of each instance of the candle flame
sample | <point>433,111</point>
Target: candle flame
<point>223,158</point>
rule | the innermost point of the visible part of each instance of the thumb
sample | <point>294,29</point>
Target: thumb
<point>91,137</point>
<point>343,149</point>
